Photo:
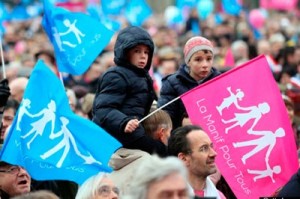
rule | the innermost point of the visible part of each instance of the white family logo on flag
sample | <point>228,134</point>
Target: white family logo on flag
<point>71,29</point>
<point>38,126</point>
<point>77,38</point>
<point>267,138</point>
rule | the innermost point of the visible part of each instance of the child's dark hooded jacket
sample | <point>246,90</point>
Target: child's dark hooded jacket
<point>126,92</point>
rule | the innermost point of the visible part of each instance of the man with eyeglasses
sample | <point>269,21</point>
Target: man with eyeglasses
<point>193,146</point>
<point>14,180</point>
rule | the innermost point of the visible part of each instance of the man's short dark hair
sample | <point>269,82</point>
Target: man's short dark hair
<point>3,163</point>
<point>12,103</point>
<point>178,142</point>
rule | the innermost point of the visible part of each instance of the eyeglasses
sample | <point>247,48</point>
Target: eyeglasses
<point>12,170</point>
<point>203,149</point>
<point>105,190</point>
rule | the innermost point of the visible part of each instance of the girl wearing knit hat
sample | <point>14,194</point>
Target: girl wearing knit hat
<point>198,57</point>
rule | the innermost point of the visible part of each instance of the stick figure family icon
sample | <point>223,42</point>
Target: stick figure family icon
<point>38,128</point>
<point>264,138</point>
<point>71,30</point>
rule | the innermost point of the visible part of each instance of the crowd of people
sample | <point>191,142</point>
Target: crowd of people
<point>142,70</point>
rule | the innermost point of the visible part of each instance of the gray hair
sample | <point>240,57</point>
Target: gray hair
<point>153,170</point>
<point>90,187</point>
<point>41,194</point>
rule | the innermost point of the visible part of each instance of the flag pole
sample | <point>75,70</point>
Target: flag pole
<point>61,78</point>
<point>170,102</point>
<point>2,58</point>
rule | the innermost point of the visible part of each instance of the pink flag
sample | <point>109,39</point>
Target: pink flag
<point>229,59</point>
<point>243,113</point>
<point>73,6</point>
<point>264,4</point>
<point>278,4</point>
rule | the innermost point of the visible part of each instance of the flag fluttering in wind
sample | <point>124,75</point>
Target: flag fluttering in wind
<point>50,140</point>
<point>112,7</point>
<point>243,113</point>
<point>137,11</point>
<point>77,38</point>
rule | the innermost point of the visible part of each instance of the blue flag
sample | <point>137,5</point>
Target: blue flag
<point>77,38</point>
<point>232,7</point>
<point>137,11</point>
<point>19,13</point>
<point>112,7</point>
<point>3,17</point>
<point>51,141</point>
<point>111,23</point>
<point>189,3</point>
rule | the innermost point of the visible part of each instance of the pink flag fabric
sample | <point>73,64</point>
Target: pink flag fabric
<point>243,113</point>
<point>278,4</point>
<point>229,59</point>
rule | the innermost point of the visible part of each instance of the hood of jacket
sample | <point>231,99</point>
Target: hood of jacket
<point>128,38</point>
<point>124,157</point>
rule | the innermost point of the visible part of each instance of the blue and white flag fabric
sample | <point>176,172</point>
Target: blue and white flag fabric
<point>114,7</point>
<point>19,13</point>
<point>137,11</point>
<point>51,141</point>
<point>3,11</point>
<point>3,17</point>
<point>111,24</point>
<point>186,3</point>
<point>232,7</point>
<point>77,38</point>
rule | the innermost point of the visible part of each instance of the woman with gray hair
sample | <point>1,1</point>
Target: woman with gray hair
<point>160,178</point>
<point>40,194</point>
<point>98,187</point>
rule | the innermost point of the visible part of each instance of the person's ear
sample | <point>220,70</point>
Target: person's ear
<point>182,157</point>
<point>160,134</point>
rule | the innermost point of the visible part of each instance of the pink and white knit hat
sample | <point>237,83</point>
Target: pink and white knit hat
<point>195,44</point>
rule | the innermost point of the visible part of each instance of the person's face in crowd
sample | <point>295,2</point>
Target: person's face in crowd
<point>171,186</point>
<point>14,180</point>
<point>200,64</point>
<point>291,113</point>
<point>94,72</point>
<point>168,67</point>
<point>139,55</point>
<point>285,79</point>
<point>72,100</point>
<point>48,61</point>
<point>297,55</point>
<point>107,190</point>
<point>8,116</point>
<point>200,161</point>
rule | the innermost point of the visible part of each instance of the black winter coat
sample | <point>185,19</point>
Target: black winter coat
<point>174,86</point>
<point>292,187</point>
<point>4,195</point>
<point>126,92</point>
